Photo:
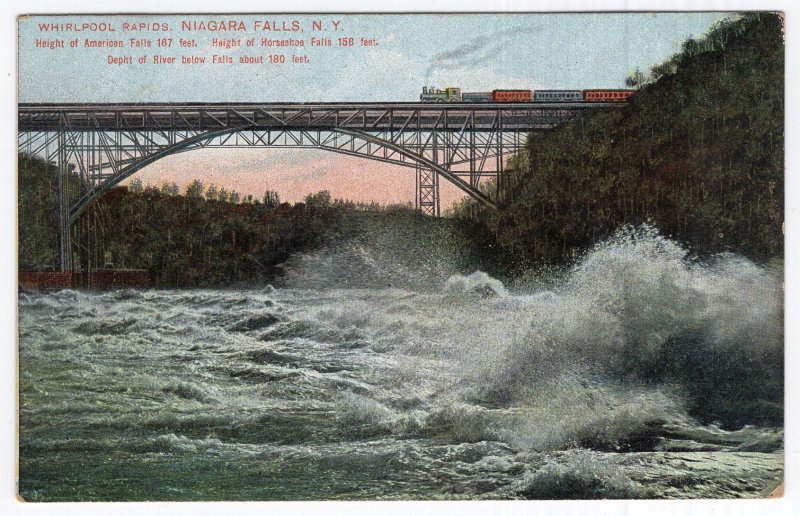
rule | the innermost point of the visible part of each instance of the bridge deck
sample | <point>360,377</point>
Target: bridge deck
<point>363,116</point>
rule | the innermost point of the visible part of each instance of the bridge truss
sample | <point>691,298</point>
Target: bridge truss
<point>103,144</point>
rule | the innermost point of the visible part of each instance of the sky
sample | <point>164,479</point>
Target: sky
<point>478,52</point>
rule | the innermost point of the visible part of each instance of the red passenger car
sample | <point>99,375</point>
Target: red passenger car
<point>512,95</point>
<point>607,95</point>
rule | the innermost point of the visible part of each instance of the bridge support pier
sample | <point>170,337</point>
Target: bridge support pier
<point>427,191</point>
<point>59,158</point>
<point>64,248</point>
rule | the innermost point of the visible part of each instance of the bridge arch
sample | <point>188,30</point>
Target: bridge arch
<point>404,157</point>
<point>106,143</point>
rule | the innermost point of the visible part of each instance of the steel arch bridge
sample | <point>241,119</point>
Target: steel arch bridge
<point>106,143</point>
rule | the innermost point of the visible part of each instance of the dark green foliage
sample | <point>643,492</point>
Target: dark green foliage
<point>698,152</point>
<point>191,241</point>
<point>206,239</point>
<point>271,198</point>
<point>188,241</point>
<point>38,214</point>
<point>195,189</point>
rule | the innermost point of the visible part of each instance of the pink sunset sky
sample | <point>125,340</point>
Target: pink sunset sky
<point>293,173</point>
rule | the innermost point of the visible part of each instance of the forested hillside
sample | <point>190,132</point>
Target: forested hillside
<point>208,236</point>
<point>697,152</point>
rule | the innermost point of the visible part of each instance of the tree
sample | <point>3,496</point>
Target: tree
<point>170,188</point>
<point>271,199</point>
<point>321,199</point>
<point>658,71</point>
<point>212,193</point>
<point>234,199</point>
<point>37,219</point>
<point>195,189</point>
<point>635,79</point>
<point>136,185</point>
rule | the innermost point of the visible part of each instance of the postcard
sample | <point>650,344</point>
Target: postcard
<point>401,256</point>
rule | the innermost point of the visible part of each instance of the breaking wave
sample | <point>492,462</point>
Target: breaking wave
<point>478,283</point>
<point>637,310</point>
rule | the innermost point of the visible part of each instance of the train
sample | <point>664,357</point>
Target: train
<point>454,94</point>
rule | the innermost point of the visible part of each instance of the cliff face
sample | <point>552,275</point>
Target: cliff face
<point>698,153</point>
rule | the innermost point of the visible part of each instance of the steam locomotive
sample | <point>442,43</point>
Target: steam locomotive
<point>454,94</point>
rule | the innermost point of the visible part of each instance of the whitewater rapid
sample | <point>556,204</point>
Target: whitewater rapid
<point>611,384</point>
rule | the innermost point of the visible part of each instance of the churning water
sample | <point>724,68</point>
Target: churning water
<point>639,374</point>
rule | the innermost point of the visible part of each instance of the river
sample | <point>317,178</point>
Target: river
<point>638,373</point>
